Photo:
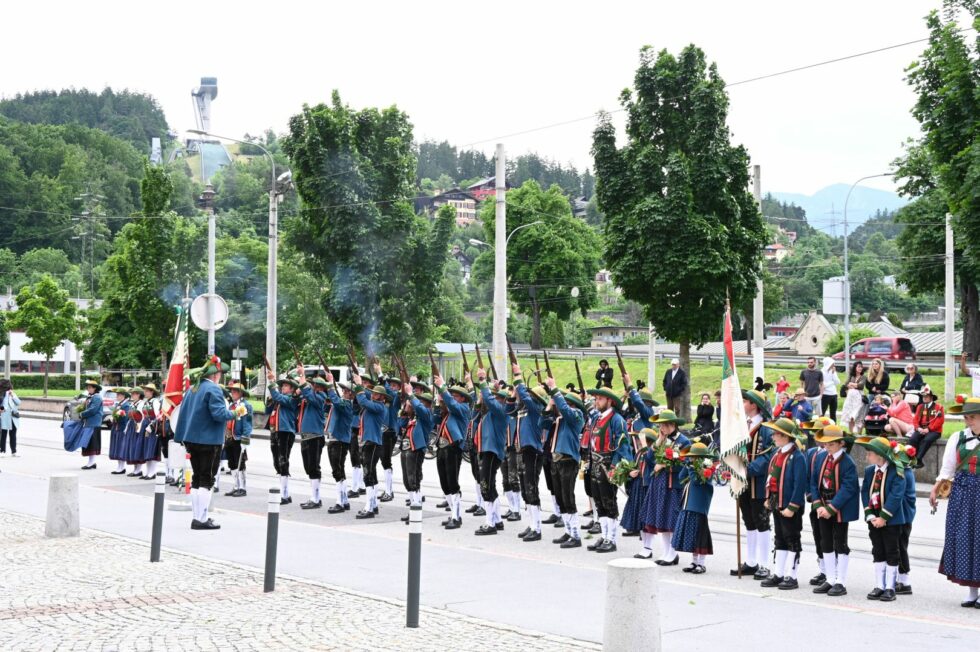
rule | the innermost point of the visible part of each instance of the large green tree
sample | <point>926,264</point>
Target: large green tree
<point>48,317</point>
<point>381,263</point>
<point>682,230</point>
<point>544,261</point>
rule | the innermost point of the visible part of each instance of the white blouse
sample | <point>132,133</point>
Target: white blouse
<point>948,468</point>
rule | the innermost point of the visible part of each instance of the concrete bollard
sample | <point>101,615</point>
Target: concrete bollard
<point>62,516</point>
<point>632,618</point>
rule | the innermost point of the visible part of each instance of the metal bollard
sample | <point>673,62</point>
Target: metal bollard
<point>157,532</point>
<point>414,565</point>
<point>271,541</point>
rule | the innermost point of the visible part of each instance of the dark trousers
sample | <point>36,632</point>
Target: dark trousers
<point>312,450</point>
<point>787,532</point>
<point>337,456</point>
<point>370,452</point>
<point>489,464</point>
<point>833,536</point>
<point>448,460</point>
<point>475,463</point>
<point>236,454</point>
<point>564,472</point>
<point>603,494</point>
<point>510,468</point>
<point>755,514</point>
<point>549,477</point>
<point>412,468</point>
<point>885,543</point>
<point>13,440</point>
<point>903,548</point>
<point>355,450</point>
<point>205,460</point>
<point>829,402</point>
<point>388,439</point>
<point>94,444</point>
<point>531,472</point>
<point>922,443</point>
<point>815,529</point>
<point>282,445</point>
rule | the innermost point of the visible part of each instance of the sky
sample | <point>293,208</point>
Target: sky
<point>476,73</point>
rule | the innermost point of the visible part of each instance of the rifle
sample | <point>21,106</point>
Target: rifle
<point>299,360</point>
<point>622,367</point>
<point>466,364</point>
<point>435,368</point>
<point>323,363</point>
<point>510,352</point>
<point>479,360</point>
<point>402,373</point>
<point>547,363</point>
<point>493,370</point>
<point>537,369</point>
<point>265,361</point>
<point>578,374</point>
<point>351,358</point>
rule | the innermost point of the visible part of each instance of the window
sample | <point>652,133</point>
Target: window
<point>858,348</point>
<point>906,346</point>
<point>878,347</point>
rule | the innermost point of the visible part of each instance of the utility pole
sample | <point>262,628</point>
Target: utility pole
<point>652,359</point>
<point>500,267</point>
<point>758,320</point>
<point>833,221</point>
<point>207,203</point>
<point>949,363</point>
<point>272,285</point>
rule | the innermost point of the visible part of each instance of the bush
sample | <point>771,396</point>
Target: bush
<point>36,381</point>
<point>836,342</point>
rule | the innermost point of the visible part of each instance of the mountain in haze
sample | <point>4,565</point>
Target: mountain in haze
<point>825,208</point>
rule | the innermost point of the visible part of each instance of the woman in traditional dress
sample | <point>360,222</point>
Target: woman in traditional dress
<point>663,500</point>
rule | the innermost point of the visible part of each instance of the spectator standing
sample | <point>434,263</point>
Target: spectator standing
<point>782,385</point>
<point>973,372</point>
<point>812,379</point>
<point>604,375</point>
<point>854,408</point>
<point>929,420</point>
<point>675,384</point>
<point>9,417</point>
<point>705,416</point>
<point>900,418</point>
<point>877,379</point>
<point>831,385</point>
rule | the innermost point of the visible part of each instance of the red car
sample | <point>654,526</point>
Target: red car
<point>889,349</point>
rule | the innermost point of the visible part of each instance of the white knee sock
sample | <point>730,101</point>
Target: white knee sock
<point>647,539</point>
<point>389,482</point>
<point>794,563</point>
<point>341,493</point>
<point>891,572</point>
<point>490,519</point>
<point>205,503</point>
<point>120,465</point>
<point>613,530</point>
<point>151,468</point>
<point>973,593</point>
<point>822,565</point>
<point>879,574</point>
<point>195,509</point>
<point>458,507</point>
<point>515,501</point>
<point>842,561</point>
<point>479,495</point>
<point>573,525</point>
<point>315,485</point>
<point>217,479</point>
<point>830,567</point>
<point>665,541</point>
<point>781,557</point>
<point>763,547</point>
<point>368,503</point>
<point>241,479</point>
<point>566,519</point>
<point>138,469</point>
<point>284,485</point>
<point>903,578</point>
<point>604,528</point>
<point>750,547</point>
<point>534,513</point>
<point>235,477</point>
<point>554,505</point>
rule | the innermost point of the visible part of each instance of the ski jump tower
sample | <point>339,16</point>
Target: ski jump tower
<point>214,156</point>
<point>202,97</point>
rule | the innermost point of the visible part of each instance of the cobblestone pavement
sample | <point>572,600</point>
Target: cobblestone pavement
<point>100,592</point>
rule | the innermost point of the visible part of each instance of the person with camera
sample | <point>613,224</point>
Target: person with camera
<point>9,417</point>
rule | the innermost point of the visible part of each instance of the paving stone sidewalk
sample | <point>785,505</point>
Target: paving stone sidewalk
<point>100,592</point>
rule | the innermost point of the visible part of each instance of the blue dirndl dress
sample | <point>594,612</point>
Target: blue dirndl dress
<point>662,504</point>
<point>117,439</point>
<point>960,562</point>
<point>133,443</point>
<point>692,533</point>
<point>635,492</point>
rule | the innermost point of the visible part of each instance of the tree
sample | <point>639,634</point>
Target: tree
<point>48,317</point>
<point>544,261</point>
<point>682,231</point>
<point>355,171</point>
<point>836,342</point>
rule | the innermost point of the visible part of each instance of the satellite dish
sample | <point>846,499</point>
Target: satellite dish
<point>209,311</point>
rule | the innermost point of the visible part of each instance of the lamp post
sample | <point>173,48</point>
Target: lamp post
<point>847,275</point>
<point>280,184</point>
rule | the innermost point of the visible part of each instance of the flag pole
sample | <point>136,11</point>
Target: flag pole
<point>738,509</point>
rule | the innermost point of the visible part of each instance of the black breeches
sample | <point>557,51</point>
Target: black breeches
<point>282,445</point>
<point>755,514</point>
<point>549,478</point>
<point>903,548</point>
<point>885,544</point>
<point>312,450</point>
<point>489,463</point>
<point>815,529</point>
<point>412,466</point>
<point>510,469</point>
<point>448,460</point>
<point>787,532</point>
<point>236,455</point>
<point>388,440</point>
<point>355,451</point>
<point>475,464</point>
<point>833,536</point>
<point>370,452</point>
<point>337,456</point>
<point>564,472</point>
<point>205,459</point>
<point>530,472</point>
<point>604,494</point>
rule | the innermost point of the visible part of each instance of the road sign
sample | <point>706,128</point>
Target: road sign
<point>239,353</point>
<point>209,311</point>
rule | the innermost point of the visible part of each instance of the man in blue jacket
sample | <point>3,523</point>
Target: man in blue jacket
<point>92,417</point>
<point>569,420</point>
<point>373,411</point>
<point>311,416</point>
<point>389,434</point>
<point>609,445</point>
<point>490,437</point>
<point>528,428</point>
<point>281,409</point>
<point>206,416</point>
<point>452,433</point>
<point>338,427</point>
<point>417,424</point>
<point>237,445</point>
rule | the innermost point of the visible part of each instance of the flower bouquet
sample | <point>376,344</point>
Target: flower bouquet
<point>620,474</point>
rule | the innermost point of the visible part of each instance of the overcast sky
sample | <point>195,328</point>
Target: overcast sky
<point>473,72</point>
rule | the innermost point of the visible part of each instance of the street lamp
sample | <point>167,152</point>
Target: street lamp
<point>847,276</point>
<point>280,185</point>
<point>481,243</point>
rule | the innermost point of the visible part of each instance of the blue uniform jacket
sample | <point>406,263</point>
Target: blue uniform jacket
<point>798,411</point>
<point>644,413</point>
<point>372,416</point>
<point>697,495</point>
<point>423,424</point>
<point>757,473</point>
<point>569,435</point>
<point>891,496</point>
<point>791,483</point>
<point>619,440</point>
<point>909,495</point>
<point>529,418</point>
<point>844,505</point>
<point>119,425</point>
<point>313,412</point>
<point>287,410</point>
<point>207,417</point>
<point>394,407</point>
<point>811,460</point>
<point>185,409</point>
<point>341,417</point>
<point>92,414</point>
<point>243,424</point>
<point>493,424</point>
<point>455,417</point>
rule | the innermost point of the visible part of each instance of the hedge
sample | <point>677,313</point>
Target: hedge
<point>36,381</point>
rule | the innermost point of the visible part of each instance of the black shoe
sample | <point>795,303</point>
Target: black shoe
<point>788,584</point>
<point>206,525</point>
<point>887,596</point>
<point>588,526</point>
<point>642,556</point>
<point>903,589</point>
<point>364,514</point>
<point>124,470</point>
<point>551,519</point>
<point>523,534</point>
<point>690,569</point>
<point>818,580</point>
<point>443,504</point>
<point>587,514</point>
<point>233,492</point>
<point>288,500</point>
<point>746,570</point>
<point>88,467</point>
<point>479,511</point>
<point>596,528</point>
<point>241,492</point>
<point>532,536</point>
<point>404,519</point>
<point>676,560</point>
<point>337,509</point>
<point>133,475</point>
<point>699,570</point>
<point>837,590</point>
<point>607,546</point>
<point>408,502</point>
<point>593,546</point>
<point>876,594</point>
<point>485,530</point>
<point>471,509</point>
<point>214,490</point>
<point>572,543</point>
<point>500,526</point>
<point>386,497</point>
<point>145,477</point>
<point>558,523</point>
<point>562,539</point>
<point>446,522</point>
<point>309,504</point>
<point>631,534</point>
<point>761,574</point>
<point>771,582</point>
<point>969,604</point>
<point>823,588</point>
<point>514,516</point>
<point>454,524</point>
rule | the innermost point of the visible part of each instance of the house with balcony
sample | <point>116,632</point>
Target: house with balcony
<point>607,336</point>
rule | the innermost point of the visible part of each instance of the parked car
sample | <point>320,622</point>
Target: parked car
<point>889,349</point>
<point>109,398</point>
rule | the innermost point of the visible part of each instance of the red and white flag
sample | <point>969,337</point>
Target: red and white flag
<point>734,426</point>
<point>177,379</point>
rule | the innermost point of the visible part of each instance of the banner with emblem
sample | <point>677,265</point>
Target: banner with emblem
<point>734,427</point>
<point>177,380</point>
